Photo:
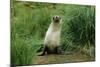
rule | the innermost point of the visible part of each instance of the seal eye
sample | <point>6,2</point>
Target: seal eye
<point>56,17</point>
<point>53,18</point>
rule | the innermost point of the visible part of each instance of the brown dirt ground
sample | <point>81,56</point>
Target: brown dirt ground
<point>54,59</point>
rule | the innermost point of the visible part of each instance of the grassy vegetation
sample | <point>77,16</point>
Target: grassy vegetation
<point>30,21</point>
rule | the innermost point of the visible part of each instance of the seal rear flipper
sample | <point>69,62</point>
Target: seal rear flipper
<point>44,51</point>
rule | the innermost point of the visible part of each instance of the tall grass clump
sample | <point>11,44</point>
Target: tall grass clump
<point>22,53</point>
<point>28,26</point>
<point>23,45</point>
<point>80,30</point>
